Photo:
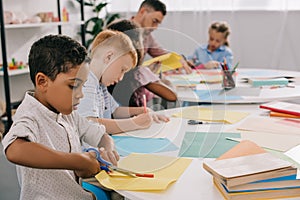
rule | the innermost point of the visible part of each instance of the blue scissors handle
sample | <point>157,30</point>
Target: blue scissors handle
<point>100,159</point>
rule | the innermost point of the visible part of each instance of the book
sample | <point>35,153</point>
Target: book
<point>282,107</point>
<point>257,82</point>
<point>282,182</point>
<point>247,162</point>
<point>263,194</point>
<point>168,61</point>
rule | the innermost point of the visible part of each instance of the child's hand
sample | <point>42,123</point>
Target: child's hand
<point>158,118</point>
<point>186,66</point>
<point>90,165</point>
<point>143,120</point>
<point>110,156</point>
<point>154,67</point>
<point>212,64</point>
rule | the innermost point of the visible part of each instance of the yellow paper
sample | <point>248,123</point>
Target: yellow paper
<point>165,169</point>
<point>168,61</point>
<point>213,115</point>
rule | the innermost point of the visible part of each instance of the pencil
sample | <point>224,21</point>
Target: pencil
<point>145,103</point>
<point>237,64</point>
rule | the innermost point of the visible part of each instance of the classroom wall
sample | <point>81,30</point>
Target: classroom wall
<point>259,39</point>
<point>267,39</point>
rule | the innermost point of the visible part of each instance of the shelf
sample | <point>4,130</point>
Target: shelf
<point>15,72</point>
<point>32,25</point>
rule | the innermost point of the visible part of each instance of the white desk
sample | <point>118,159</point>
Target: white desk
<point>195,182</point>
<point>266,94</point>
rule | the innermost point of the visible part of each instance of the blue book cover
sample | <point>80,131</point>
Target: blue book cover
<point>271,82</point>
<point>278,183</point>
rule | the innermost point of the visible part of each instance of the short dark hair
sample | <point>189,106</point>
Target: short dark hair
<point>156,5</point>
<point>54,54</point>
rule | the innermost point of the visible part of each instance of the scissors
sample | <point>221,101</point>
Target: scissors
<point>109,167</point>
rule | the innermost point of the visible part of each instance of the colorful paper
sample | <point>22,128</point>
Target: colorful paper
<point>127,144</point>
<point>213,115</point>
<point>206,145</point>
<point>166,170</point>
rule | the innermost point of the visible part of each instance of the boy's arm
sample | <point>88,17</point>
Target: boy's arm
<point>126,112</point>
<point>34,155</point>
<point>162,90</point>
<point>114,126</point>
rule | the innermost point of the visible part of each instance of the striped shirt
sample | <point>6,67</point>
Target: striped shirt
<point>97,101</point>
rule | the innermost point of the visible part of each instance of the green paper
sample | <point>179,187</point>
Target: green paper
<point>206,145</point>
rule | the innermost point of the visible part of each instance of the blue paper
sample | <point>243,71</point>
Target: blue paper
<point>127,144</point>
<point>215,95</point>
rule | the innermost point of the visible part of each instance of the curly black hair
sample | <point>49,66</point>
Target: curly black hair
<point>54,54</point>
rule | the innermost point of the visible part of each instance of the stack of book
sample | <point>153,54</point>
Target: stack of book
<point>257,82</point>
<point>247,171</point>
<point>282,109</point>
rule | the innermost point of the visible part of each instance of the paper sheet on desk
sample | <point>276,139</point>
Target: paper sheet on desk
<point>165,169</point>
<point>206,144</point>
<point>271,125</point>
<point>127,144</point>
<point>195,78</point>
<point>216,95</point>
<point>157,130</point>
<point>279,142</point>
<point>208,114</point>
<point>295,156</point>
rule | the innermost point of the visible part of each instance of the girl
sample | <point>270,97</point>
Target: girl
<point>217,50</point>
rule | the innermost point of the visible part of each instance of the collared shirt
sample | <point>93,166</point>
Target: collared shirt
<point>64,133</point>
<point>97,101</point>
<point>202,55</point>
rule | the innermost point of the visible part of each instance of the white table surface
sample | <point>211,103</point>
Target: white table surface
<point>195,182</point>
<point>266,93</point>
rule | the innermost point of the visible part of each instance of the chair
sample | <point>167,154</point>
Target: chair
<point>97,191</point>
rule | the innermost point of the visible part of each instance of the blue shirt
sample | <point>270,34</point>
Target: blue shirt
<point>202,55</point>
<point>97,101</point>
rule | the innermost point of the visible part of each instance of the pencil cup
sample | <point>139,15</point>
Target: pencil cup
<point>228,81</point>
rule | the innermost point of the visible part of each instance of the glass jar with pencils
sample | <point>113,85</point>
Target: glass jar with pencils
<point>228,81</point>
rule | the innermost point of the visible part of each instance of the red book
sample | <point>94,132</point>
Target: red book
<point>282,107</point>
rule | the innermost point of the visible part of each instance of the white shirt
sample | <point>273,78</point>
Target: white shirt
<point>37,123</point>
<point>96,101</point>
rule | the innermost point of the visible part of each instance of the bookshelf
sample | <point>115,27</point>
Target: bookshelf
<point>7,74</point>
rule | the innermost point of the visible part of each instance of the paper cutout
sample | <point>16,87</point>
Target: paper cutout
<point>168,61</point>
<point>208,114</point>
<point>127,144</point>
<point>206,145</point>
<point>165,169</point>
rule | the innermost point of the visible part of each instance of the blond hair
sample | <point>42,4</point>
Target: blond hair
<point>117,40</point>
